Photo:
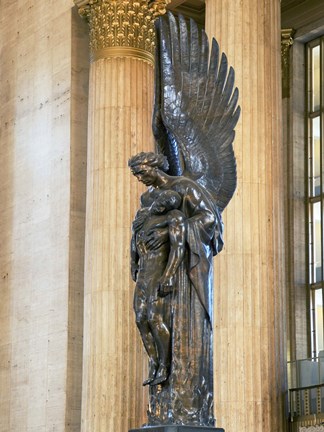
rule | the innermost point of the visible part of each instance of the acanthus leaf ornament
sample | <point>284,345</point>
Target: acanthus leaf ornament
<point>286,43</point>
<point>122,27</point>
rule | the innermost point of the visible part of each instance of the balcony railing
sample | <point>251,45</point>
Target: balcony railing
<point>306,392</point>
<point>306,401</point>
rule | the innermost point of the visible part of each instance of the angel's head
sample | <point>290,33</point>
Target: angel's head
<point>145,166</point>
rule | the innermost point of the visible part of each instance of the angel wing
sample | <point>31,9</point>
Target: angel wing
<point>195,109</point>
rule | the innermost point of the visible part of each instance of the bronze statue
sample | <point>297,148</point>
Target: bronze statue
<point>178,228</point>
<point>153,269</point>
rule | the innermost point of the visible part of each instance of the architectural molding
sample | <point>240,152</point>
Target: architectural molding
<point>300,13</point>
<point>124,24</point>
<point>286,43</point>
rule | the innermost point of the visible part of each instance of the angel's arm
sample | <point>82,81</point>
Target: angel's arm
<point>200,209</point>
<point>177,231</point>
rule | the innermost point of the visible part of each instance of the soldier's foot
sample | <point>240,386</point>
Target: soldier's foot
<point>162,375</point>
<point>152,373</point>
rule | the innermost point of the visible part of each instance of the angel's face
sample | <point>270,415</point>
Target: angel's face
<point>146,175</point>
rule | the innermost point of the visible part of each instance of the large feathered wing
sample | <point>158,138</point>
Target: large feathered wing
<point>195,110</point>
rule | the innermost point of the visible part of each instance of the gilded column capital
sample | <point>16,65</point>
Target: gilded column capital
<point>122,28</point>
<point>286,42</point>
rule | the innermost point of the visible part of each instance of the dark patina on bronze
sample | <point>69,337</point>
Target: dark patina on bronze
<point>178,228</point>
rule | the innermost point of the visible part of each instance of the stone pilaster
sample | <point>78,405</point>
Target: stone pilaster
<point>249,296</point>
<point>120,111</point>
<point>286,43</point>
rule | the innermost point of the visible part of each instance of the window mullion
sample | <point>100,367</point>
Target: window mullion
<point>315,198</point>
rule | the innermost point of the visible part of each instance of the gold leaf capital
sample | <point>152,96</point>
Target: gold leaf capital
<point>121,23</point>
<point>158,7</point>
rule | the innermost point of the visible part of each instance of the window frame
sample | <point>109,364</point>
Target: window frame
<point>313,284</point>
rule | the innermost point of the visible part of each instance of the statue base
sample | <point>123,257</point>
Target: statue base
<point>177,428</point>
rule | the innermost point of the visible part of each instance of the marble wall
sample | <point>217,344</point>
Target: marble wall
<point>42,179</point>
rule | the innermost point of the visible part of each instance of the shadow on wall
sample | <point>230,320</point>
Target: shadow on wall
<point>78,171</point>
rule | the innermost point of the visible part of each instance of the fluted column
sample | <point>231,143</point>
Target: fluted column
<point>120,110</point>
<point>249,299</point>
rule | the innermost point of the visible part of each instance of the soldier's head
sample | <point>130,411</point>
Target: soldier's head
<point>166,201</point>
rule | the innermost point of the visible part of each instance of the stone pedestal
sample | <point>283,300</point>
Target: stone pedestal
<point>176,428</point>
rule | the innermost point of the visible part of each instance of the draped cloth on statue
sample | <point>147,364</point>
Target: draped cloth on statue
<point>187,396</point>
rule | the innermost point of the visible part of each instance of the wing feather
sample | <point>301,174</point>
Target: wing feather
<point>196,110</point>
<point>202,72</point>
<point>194,60</point>
<point>184,44</point>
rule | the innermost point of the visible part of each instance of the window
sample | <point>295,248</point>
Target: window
<point>315,194</point>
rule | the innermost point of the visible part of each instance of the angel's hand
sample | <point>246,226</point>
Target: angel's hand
<point>139,220</point>
<point>155,239</point>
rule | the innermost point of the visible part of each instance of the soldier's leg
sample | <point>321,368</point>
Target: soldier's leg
<point>140,308</point>
<point>158,318</point>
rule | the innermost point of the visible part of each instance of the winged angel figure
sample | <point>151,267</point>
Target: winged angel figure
<point>178,228</point>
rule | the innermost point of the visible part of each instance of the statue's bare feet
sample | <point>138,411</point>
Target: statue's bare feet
<point>153,367</point>
<point>161,375</point>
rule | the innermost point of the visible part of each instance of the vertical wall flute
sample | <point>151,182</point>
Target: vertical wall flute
<point>120,111</point>
<point>249,296</point>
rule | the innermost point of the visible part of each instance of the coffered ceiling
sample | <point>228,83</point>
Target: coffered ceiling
<point>300,13</point>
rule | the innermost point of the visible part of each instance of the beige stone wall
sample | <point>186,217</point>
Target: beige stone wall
<point>249,284</point>
<point>42,160</point>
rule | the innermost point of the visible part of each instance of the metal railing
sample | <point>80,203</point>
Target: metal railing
<point>306,401</point>
<point>306,392</point>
